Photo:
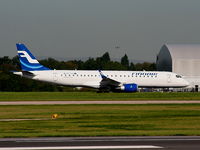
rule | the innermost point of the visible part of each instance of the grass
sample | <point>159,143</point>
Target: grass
<point>51,96</point>
<point>100,120</point>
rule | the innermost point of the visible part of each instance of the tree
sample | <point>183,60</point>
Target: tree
<point>16,63</point>
<point>70,65</point>
<point>145,66</point>
<point>113,65</point>
<point>132,67</point>
<point>106,57</point>
<point>50,63</point>
<point>5,60</point>
<point>90,64</point>
<point>102,61</point>
<point>152,67</point>
<point>125,61</point>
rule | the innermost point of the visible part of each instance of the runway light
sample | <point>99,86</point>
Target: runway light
<point>54,116</point>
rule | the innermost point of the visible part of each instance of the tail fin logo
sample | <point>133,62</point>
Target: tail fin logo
<point>28,57</point>
<point>27,60</point>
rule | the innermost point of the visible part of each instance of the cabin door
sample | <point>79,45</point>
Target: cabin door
<point>168,78</point>
<point>55,77</point>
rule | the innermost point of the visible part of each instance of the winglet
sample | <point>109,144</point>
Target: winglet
<point>102,75</point>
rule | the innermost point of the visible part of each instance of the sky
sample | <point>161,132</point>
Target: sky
<point>74,29</point>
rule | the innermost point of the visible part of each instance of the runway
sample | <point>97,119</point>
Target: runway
<point>98,102</point>
<point>122,143</point>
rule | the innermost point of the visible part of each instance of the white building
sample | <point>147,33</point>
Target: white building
<point>182,59</point>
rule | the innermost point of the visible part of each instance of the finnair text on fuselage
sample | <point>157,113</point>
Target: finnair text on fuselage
<point>144,74</point>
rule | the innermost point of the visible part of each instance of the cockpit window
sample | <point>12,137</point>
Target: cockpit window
<point>178,76</point>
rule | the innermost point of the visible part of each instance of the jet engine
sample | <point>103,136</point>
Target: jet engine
<point>129,87</point>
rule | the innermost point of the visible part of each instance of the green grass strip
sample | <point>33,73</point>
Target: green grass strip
<point>100,120</point>
<point>67,96</point>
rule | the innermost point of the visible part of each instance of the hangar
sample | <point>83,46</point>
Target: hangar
<point>183,59</point>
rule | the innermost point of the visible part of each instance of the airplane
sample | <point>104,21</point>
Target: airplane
<point>116,81</point>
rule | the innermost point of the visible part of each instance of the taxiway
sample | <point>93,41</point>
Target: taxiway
<point>122,143</point>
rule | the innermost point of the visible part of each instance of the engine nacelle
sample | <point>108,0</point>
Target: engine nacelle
<point>129,87</point>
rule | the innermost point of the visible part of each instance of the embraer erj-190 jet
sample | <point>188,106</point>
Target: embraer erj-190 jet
<point>125,81</point>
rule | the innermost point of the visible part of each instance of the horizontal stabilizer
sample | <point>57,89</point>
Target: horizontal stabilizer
<point>27,73</point>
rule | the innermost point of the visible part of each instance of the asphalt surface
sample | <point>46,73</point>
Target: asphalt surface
<point>96,102</point>
<point>153,142</point>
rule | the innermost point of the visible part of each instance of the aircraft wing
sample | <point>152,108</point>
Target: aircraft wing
<point>113,85</point>
<point>107,82</point>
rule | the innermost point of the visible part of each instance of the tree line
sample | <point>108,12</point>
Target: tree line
<point>10,82</point>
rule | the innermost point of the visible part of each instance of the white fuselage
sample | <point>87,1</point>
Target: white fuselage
<point>89,78</point>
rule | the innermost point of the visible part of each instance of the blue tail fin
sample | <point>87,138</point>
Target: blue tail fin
<point>27,60</point>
